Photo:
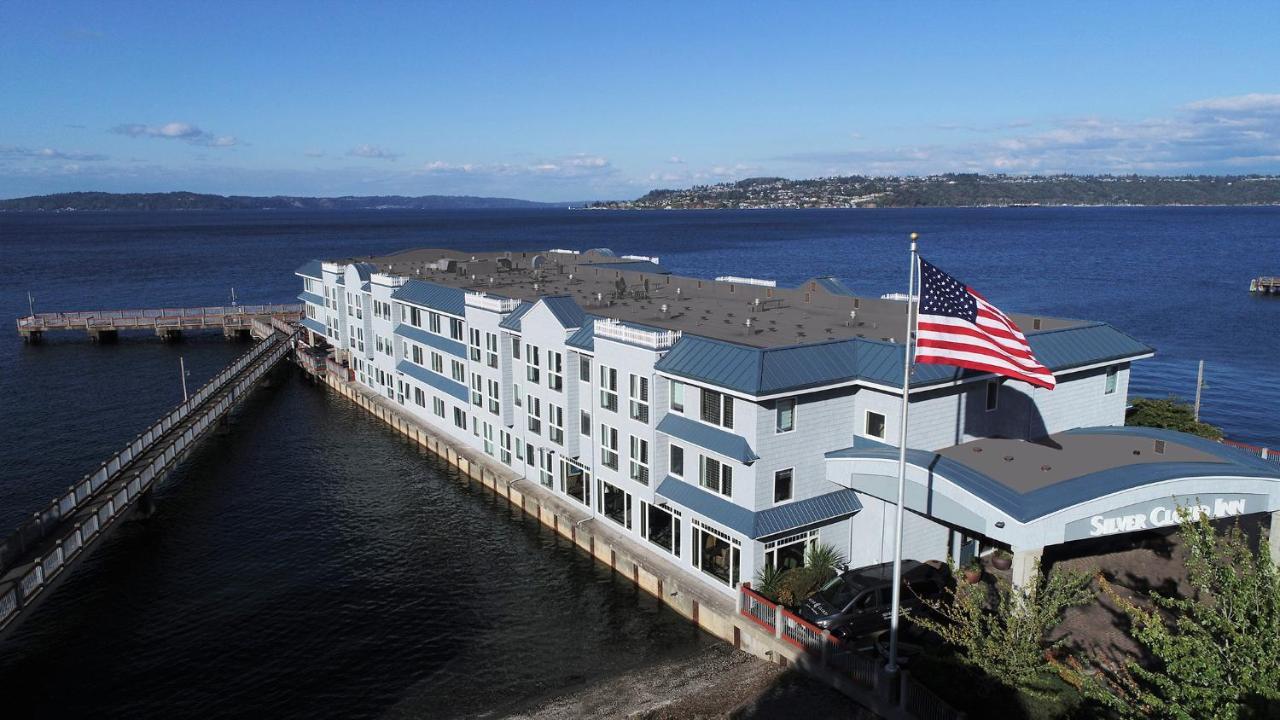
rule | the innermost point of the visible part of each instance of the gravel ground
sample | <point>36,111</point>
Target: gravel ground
<point>719,682</point>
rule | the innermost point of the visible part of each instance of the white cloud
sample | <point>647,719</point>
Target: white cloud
<point>13,151</point>
<point>374,152</point>
<point>569,167</point>
<point>675,160</point>
<point>186,132</point>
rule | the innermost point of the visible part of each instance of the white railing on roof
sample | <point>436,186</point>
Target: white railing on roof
<point>901,297</point>
<point>747,281</point>
<point>642,258</point>
<point>562,251</point>
<point>492,303</point>
<point>644,337</point>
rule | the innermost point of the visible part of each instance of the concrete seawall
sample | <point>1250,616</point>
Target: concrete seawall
<point>707,609</point>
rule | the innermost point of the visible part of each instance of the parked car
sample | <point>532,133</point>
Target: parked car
<point>857,602</point>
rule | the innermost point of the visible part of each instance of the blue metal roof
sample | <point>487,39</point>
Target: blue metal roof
<point>430,339</point>
<point>765,371</point>
<point>1052,498</point>
<point>430,295</point>
<point>633,266</point>
<point>312,269</point>
<point>364,270</point>
<point>512,320</point>
<point>764,523</point>
<point>315,325</point>
<point>833,285</point>
<point>567,312</point>
<point>719,441</point>
<point>435,380</point>
<point>312,298</point>
<point>584,338</point>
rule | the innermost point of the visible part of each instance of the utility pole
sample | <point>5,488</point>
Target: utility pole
<point>233,297</point>
<point>1199,387</point>
<point>31,305</point>
<point>182,370</point>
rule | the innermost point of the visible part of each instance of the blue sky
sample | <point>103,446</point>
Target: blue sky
<point>561,101</point>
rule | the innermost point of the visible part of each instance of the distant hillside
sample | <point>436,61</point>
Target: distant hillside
<point>199,201</point>
<point>965,190</point>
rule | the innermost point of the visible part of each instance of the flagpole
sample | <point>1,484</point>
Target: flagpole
<point>892,667</point>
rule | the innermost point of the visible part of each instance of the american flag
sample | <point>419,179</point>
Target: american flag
<point>957,326</point>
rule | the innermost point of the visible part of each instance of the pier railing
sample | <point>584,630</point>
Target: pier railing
<point>76,502</point>
<point>1262,452</point>
<point>218,315</point>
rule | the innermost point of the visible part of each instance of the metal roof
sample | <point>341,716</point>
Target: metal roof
<point>430,339</point>
<point>430,295</point>
<point>764,523</point>
<point>435,380</point>
<point>766,371</point>
<point>512,320</point>
<point>314,324</point>
<point>566,311</point>
<point>1030,504</point>
<point>312,269</point>
<point>364,270</point>
<point>584,338</point>
<point>706,436</point>
<point>312,298</point>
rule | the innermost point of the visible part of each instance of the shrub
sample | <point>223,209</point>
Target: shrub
<point>797,584</point>
<point>1170,414</point>
<point>768,581</point>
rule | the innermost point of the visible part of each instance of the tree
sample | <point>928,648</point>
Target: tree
<point>1215,653</point>
<point>1170,414</point>
<point>1003,630</point>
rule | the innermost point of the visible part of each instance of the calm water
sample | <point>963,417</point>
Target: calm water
<point>312,563</point>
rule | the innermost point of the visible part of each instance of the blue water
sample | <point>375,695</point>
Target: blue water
<point>312,563</point>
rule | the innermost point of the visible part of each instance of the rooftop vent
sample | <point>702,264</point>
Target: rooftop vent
<point>1160,444</point>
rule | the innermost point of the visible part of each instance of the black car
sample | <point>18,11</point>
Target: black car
<point>857,602</point>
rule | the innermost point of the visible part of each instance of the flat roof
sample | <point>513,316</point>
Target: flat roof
<point>636,291</point>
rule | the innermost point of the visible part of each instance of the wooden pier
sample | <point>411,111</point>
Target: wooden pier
<point>1265,285</point>
<point>166,323</point>
<point>42,550</point>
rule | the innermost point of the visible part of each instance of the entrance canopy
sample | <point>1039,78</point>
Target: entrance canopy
<point>1082,483</point>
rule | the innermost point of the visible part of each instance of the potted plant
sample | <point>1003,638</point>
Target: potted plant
<point>1001,559</point>
<point>972,571</point>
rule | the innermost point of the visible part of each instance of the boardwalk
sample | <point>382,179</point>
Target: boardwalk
<point>44,548</point>
<point>164,322</point>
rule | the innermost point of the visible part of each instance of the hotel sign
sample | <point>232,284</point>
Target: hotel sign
<point>1156,514</point>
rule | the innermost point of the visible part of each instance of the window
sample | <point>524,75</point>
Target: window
<point>492,386</point>
<point>715,553</point>
<point>639,393</point>
<point>677,460</point>
<point>1112,375</point>
<point>460,417</point>
<point>661,527</point>
<point>555,419</point>
<point>584,420</point>
<point>546,460</point>
<point>788,553</point>
<point>677,396</point>
<point>584,368</point>
<point>419,397</point>
<point>459,371</point>
<point>535,415</point>
<point>993,395</point>
<point>715,475</point>
<point>504,447</point>
<point>417,354</point>
<point>437,362</point>
<point>475,344</point>
<point>488,439</point>
<point>717,408</point>
<point>531,355</point>
<point>477,390</point>
<point>615,504</point>
<point>491,349</point>
<point>875,425</point>
<point>437,405</point>
<point>782,485</point>
<point>609,447</point>
<point>639,469</point>
<point>609,388</point>
<point>515,348</point>
<point>555,370</point>
<point>415,317</point>
<point>785,410</point>
<point>517,398</point>
<point>434,320</point>
<point>577,482</point>
<point>455,329</point>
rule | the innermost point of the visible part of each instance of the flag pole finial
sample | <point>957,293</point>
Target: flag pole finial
<point>915,236</point>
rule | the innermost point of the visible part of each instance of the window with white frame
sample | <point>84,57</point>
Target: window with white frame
<point>676,460</point>
<point>515,348</point>
<point>874,425</point>
<point>546,467</point>
<point>584,368</point>
<point>491,349</point>
<point>715,475</point>
<point>661,526</point>
<point>475,345</point>
<point>415,353</point>
<point>459,370</point>
<point>614,503</point>
<point>517,398</point>
<point>555,424</point>
<point>455,329</point>
<point>785,415</point>
<point>437,406</point>
<point>477,390</point>
<point>783,485</point>
<point>433,318</point>
<point>639,397</point>
<point>717,408</point>
<point>677,396</point>
<point>492,386</point>
<point>555,370</point>
<point>716,553</point>
<point>460,417</point>
<point>584,422</point>
<point>788,553</point>
<point>609,447</point>
<point>532,355</point>
<point>437,362</point>
<point>534,406</point>
<point>488,439</point>
<point>415,317</point>
<point>609,388</point>
<point>504,447</point>
<point>419,397</point>
<point>1112,376</point>
<point>639,469</point>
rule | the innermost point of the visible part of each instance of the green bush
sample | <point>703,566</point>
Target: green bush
<point>797,584</point>
<point>1170,414</point>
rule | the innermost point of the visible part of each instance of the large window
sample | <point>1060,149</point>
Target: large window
<point>874,426</point>
<point>788,552</point>
<point>782,485</point>
<point>716,554</point>
<point>717,408</point>
<point>609,447</point>
<point>715,475</point>
<point>786,415</point>
<point>639,469</point>
<point>609,388</point>
<point>661,527</point>
<point>615,504</point>
<point>639,395</point>
<point>577,482</point>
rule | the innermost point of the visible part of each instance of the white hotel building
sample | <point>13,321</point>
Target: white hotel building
<point>727,424</point>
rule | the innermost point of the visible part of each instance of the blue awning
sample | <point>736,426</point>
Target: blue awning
<point>430,339</point>
<point>312,269</point>
<point>312,298</point>
<point>714,439</point>
<point>435,380</point>
<point>774,521</point>
<point>315,325</point>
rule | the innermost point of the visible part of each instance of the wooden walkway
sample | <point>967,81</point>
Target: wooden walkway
<point>43,549</point>
<point>165,322</point>
<point>1265,285</point>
